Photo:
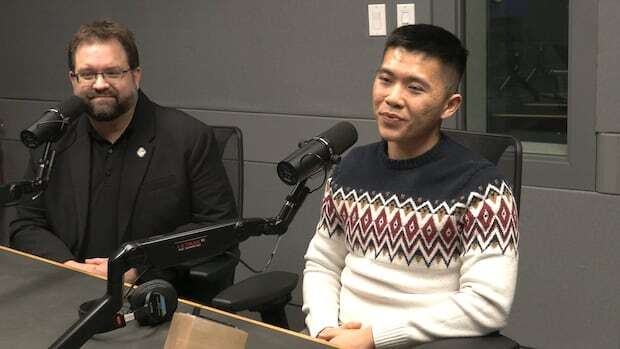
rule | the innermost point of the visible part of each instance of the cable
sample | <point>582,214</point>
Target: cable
<point>132,284</point>
<point>322,182</point>
<point>267,264</point>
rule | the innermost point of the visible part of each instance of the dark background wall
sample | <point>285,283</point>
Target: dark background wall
<point>286,70</point>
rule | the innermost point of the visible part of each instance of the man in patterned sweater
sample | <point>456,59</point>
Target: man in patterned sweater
<point>417,238</point>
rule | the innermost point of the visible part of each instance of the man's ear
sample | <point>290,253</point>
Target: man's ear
<point>72,80</point>
<point>452,105</point>
<point>137,76</point>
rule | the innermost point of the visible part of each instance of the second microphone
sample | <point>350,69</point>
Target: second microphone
<point>317,153</point>
<point>50,127</point>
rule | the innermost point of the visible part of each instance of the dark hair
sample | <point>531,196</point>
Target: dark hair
<point>432,41</point>
<point>104,30</point>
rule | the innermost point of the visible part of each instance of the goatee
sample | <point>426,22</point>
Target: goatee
<point>109,111</point>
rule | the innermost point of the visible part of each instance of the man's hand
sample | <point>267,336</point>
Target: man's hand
<point>330,332</point>
<point>349,335</point>
<point>86,267</point>
<point>131,276</point>
<point>99,266</point>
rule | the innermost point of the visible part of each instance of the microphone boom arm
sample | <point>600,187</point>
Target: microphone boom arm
<point>169,250</point>
<point>10,193</point>
<point>289,210</point>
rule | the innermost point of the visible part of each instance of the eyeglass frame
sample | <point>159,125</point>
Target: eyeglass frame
<point>104,75</point>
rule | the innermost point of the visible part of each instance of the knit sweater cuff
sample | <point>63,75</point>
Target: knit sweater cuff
<point>391,336</point>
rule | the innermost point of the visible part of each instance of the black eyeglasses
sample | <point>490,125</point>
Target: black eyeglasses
<point>108,75</point>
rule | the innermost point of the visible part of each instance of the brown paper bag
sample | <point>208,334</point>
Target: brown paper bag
<point>192,332</point>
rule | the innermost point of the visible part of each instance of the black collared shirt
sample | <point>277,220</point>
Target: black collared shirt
<point>106,171</point>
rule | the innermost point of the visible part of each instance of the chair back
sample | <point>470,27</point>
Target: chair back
<point>230,144</point>
<point>207,279</point>
<point>504,151</point>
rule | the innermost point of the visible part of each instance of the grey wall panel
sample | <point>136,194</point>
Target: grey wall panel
<point>608,74</point>
<point>270,138</point>
<point>608,163</point>
<point>282,57</point>
<point>424,10</point>
<point>300,57</point>
<point>294,57</point>
<point>34,35</point>
<point>445,13</point>
<point>567,292</point>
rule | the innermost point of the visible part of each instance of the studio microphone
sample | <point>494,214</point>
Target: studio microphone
<point>317,153</point>
<point>51,126</point>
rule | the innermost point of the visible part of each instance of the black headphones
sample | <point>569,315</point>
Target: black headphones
<point>151,303</point>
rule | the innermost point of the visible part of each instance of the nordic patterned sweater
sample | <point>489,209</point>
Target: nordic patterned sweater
<point>419,249</point>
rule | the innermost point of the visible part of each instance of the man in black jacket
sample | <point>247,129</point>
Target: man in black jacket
<point>130,170</point>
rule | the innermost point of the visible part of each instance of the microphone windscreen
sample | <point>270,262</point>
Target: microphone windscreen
<point>72,107</point>
<point>340,137</point>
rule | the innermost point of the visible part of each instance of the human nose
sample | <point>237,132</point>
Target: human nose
<point>100,82</point>
<point>394,96</point>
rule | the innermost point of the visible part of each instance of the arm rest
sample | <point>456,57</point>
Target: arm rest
<point>207,279</point>
<point>213,270</point>
<point>257,291</point>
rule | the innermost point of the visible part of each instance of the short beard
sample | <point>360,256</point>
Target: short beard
<point>107,113</point>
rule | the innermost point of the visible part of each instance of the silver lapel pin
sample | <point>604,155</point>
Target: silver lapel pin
<point>141,152</point>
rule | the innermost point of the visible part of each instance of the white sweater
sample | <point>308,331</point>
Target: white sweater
<point>413,270</point>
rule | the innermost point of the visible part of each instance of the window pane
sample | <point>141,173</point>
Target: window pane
<point>527,72</point>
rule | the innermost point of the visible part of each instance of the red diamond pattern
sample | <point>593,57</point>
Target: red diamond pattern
<point>395,225</point>
<point>379,231</point>
<point>412,228</point>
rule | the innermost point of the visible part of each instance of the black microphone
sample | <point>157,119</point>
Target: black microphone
<point>317,153</point>
<point>51,126</point>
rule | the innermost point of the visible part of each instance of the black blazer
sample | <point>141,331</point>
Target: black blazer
<point>179,180</point>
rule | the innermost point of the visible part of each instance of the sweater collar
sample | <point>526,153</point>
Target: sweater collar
<point>434,153</point>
